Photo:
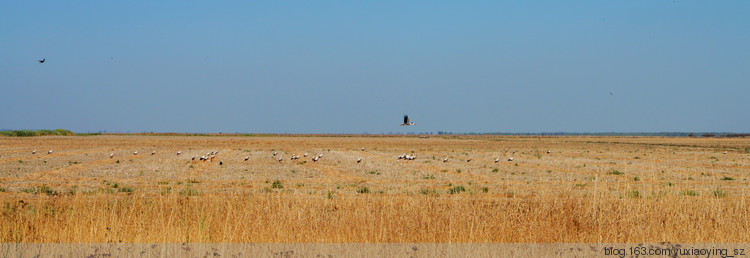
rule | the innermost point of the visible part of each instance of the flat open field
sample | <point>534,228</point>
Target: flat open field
<point>586,189</point>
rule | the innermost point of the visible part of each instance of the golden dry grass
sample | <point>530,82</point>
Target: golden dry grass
<point>588,189</point>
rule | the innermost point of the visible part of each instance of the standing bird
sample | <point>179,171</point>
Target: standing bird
<point>363,149</point>
<point>193,158</point>
<point>548,151</point>
<point>49,152</point>
<point>153,152</point>
<point>274,153</point>
<point>359,160</point>
<point>406,121</point>
<point>304,155</point>
<point>497,160</point>
<point>221,162</point>
<point>33,152</point>
<point>42,61</point>
<point>135,153</point>
<point>445,160</point>
<point>468,160</point>
<point>510,159</point>
<point>316,158</point>
<point>178,153</point>
<point>280,159</point>
<point>247,158</point>
<point>111,155</point>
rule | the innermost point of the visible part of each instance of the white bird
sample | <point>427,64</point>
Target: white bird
<point>304,155</point>
<point>406,121</point>
<point>445,160</point>
<point>247,158</point>
<point>315,159</point>
<point>111,155</point>
<point>153,152</point>
<point>135,153</point>
<point>497,160</point>
<point>49,152</point>
<point>33,152</point>
<point>363,149</point>
<point>320,155</point>
<point>280,159</point>
<point>510,159</point>
<point>725,152</point>
<point>193,157</point>
<point>359,160</point>
<point>548,151</point>
<point>179,152</point>
<point>274,153</point>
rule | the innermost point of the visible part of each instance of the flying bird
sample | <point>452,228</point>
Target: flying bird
<point>406,121</point>
<point>42,61</point>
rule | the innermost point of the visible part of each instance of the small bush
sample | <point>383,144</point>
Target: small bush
<point>727,178</point>
<point>363,190</point>
<point>615,172</point>
<point>457,189</point>
<point>277,184</point>
<point>495,170</point>
<point>428,177</point>
<point>126,190</point>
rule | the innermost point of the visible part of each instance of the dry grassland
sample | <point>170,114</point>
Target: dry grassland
<point>587,189</point>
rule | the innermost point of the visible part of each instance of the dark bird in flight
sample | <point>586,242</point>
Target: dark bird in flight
<point>406,121</point>
<point>42,61</point>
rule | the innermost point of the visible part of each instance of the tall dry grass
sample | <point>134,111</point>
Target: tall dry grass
<point>370,218</point>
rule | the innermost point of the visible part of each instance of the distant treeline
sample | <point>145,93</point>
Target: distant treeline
<point>657,134</point>
<point>26,133</point>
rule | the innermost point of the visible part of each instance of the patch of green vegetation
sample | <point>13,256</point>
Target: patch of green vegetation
<point>44,189</point>
<point>485,189</point>
<point>720,193</point>
<point>277,184</point>
<point>428,177</point>
<point>432,192</point>
<point>363,190</point>
<point>495,170</point>
<point>163,182</point>
<point>166,190</point>
<point>726,178</point>
<point>458,170</point>
<point>373,173</point>
<point>581,185</point>
<point>29,133</point>
<point>636,179</point>
<point>117,161</point>
<point>636,157</point>
<point>20,161</point>
<point>457,189</point>
<point>126,189</point>
<point>615,172</point>
<point>689,193</point>
<point>330,195</point>
<point>2,190</point>
<point>193,181</point>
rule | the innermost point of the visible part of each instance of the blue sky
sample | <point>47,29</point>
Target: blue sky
<point>354,67</point>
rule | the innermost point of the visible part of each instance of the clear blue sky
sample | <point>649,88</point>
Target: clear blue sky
<point>354,66</point>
